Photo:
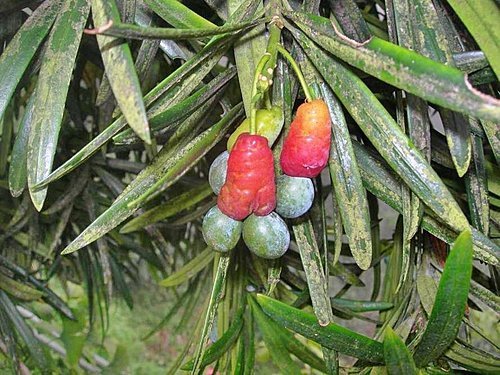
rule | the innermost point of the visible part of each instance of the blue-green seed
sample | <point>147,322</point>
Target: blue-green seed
<point>220,231</point>
<point>266,236</point>
<point>294,196</point>
<point>217,172</point>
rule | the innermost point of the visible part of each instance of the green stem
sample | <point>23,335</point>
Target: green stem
<point>255,95</point>
<point>298,72</point>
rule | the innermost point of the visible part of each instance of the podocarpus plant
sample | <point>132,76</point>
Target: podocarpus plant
<point>108,133</point>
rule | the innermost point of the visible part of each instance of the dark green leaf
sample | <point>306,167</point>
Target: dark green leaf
<point>481,19</point>
<point>170,165</point>
<point>19,155</point>
<point>273,341</point>
<point>398,360</point>
<point>405,69</point>
<point>447,312</point>
<point>120,70</point>
<point>190,269</point>
<point>347,185</point>
<point>222,345</point>
<point>387,137</point>
<point>34,346</point>
<point>215,296</point>
<point>52,88</point>
<point>129,31</point>
<point>18,54</point>
<point>331,336</point>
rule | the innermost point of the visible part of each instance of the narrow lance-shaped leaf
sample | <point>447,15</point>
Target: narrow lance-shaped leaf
<point>247,53</point>
<point>24,331</point>
<point>130,31</point>
<point>17,55</point>
<point>51,91</point>
<point>447,312</point>
<point>166,169</point>
<point>222,345</point>
<point>169,209</point>
<point>386,135</point>
<point>19,156</point>
<point>286,339</point>
<point>19,290</point>
<point>346,179</point>
<point>166,114</point>
<point>190,269</point>
<point>178,14</point>
<point>398,360</point>
<point>332,336</point>
<point>380,181</point>
<point>215,297</point>
<point>278,351</point>
<point>316,280</point>
<point>402,68</point>
<point>184,79</point>
<point>481,19</point>
<point>120,70</point>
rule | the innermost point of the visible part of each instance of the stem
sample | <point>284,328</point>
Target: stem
<point>298,72</point>
<point>255,95</point>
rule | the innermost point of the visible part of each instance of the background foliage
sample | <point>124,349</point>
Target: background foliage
<point>105,147</point>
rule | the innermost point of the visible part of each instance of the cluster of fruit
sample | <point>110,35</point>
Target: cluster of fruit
<point>251,199</point>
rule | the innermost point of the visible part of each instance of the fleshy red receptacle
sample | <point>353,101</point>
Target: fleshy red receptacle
<point>307,146</point>
<point>250,185</point>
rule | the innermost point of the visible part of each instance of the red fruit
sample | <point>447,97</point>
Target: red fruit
<point>249,186</point>
<point>307,145</point>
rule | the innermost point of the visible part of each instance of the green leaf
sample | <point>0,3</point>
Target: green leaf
<point>7,128</point>
<point>130,31</point>
<point>473,358</point>
<point>19,156</point>
<point>48,295</point>
<point>172,90</point>
<point>222,345</point>
<point>120,70</point>
<point>400,67</point>
<point>175,205</point>
<point>447,312</point>
<point>361,306</point>
<point>215,296</point>
<point>169,165</point>
<point>17,55</point>
<point>347,185</point>
<point>382,182</point>
<point>190,269</point>
<point>398,360</point>
<point>74,336</point>
<point>331,336</point>
<point>386,136</point>
<point>52,88</point>
<point>164,117</point>
<point>481,19</point>
<point>313,268</point>
<point>247,53</point>
<point>178,14</point>
<point>493,135</point>
<point>274,342</point>
<point>34,346</point>
<point>19,290</point>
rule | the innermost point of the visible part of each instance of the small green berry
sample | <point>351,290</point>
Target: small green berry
<point>294,196</point>
<point>217,172</point>
<point>220,231</point>
<point>266,236</point>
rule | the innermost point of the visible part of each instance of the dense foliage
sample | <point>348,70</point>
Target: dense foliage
<point>111,113</point>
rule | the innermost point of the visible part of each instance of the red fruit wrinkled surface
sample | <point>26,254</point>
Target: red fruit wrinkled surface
<point>250,186</point>
<point>307,145</point>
